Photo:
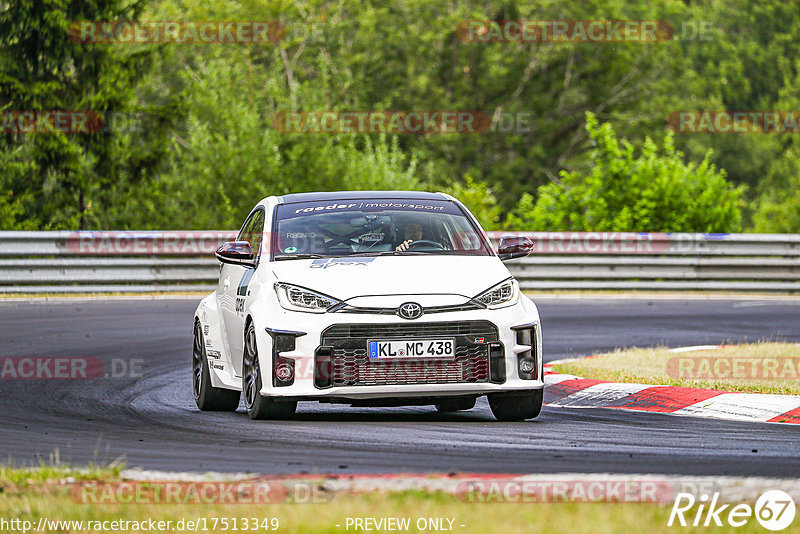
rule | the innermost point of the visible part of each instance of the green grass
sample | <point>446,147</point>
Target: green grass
<point>659,366</point>
<point>33,493</point>
<point>13,477</point>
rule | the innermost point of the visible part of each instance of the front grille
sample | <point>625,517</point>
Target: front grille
<point>352,366</point>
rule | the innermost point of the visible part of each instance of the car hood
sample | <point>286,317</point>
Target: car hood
<point>350,277</point>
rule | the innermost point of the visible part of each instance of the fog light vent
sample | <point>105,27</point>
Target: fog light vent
<point>282,367</point>
<point>323,368</point>
<point>497,363</point>
<point>527,361</point>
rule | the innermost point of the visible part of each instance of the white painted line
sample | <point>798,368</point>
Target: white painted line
<point>696,347</point>
<point>141,475</point>
<point>599,395</point>
<point>742,406</point>
<point>757,304</point>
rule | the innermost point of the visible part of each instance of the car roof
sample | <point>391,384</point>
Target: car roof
<point>353,195</point>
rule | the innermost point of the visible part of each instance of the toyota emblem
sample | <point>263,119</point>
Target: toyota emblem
<point>410,310</point>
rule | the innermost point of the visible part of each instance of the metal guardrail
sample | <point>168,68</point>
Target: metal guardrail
<point>183,261</point>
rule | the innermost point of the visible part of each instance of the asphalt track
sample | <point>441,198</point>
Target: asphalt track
<point>151,421</point>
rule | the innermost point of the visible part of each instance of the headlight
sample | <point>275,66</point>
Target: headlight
<point>297,298</point>
<point>506,293</point>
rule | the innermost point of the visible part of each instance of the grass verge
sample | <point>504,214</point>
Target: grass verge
<point>754,368</point>
<point>31,494</point>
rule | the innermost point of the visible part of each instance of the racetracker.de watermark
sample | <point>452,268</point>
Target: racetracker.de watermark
<point>240,492</point>
<point>565,490</point>
<point>141,32</point>
<point>733,367</point>
<point>168,243</point>
<point>624,243</point>
<point>734,122</point>
<point>564,31</point>
<point>73,122</point>
<point>180,242</point>
<point>421,122</point>
<point>68,368</point>
<point>390,122</point>
<point>401,368</point>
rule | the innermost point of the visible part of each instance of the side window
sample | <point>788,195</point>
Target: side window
<point>246,232</point>
<point>253,231</point>
<point>257,231</point>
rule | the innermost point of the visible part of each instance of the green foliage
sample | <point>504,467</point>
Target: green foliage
<point>479,198</point>
<point>210,151</point>
<point>345,56</point>
<point>747,61</point>
<point>12,206</point>
<point>228,155</point>
<point>776,208</point>
<point>652,191</point>
<point>61,179</point>
<point>778,211</point>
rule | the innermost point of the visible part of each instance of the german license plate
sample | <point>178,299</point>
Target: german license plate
<point>412,348</point>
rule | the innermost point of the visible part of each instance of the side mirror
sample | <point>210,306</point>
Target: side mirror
<point>514,247</point>
<point>236,253</point>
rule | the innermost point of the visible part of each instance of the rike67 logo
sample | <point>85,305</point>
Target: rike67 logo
<point>774,510</point>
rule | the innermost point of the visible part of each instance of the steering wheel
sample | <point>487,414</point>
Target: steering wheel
<point>434,244</point>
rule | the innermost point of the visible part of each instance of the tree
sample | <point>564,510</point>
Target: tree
<point>480,199</point>
<point>778,210</point>
<point>65,179</point>
<point>745,60</point>
<point>653,191</point>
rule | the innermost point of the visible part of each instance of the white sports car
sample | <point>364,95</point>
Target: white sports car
<point>370,299</point>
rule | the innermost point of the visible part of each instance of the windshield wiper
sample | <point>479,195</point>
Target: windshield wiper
<point>392,253</point>
<point>303,256</point>
<point>306,256</point>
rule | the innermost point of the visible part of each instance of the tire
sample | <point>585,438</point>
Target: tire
<point>515,406</point>
<point>258,406</point>
<point>455,405</point>
<point>207,397</point>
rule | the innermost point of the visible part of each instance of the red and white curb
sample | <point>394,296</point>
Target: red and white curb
<point>568,391</point>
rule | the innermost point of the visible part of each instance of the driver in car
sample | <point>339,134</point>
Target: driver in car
<point>412,232</point>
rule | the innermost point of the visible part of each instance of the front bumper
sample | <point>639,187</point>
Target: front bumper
<point>328,354</point>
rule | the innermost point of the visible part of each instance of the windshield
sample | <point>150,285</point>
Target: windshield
<point>374,227</point>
